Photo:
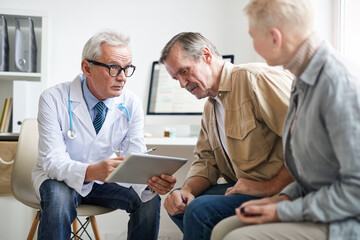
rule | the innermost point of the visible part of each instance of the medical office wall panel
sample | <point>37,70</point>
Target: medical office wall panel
<point>150,24</point>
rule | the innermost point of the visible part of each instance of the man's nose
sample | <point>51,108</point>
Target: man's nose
<point>121,76</point>
<point>182,82</point>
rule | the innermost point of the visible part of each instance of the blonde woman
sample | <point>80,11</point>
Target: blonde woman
<point>320,137</point>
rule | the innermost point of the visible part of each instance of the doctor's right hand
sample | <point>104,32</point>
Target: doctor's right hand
<point>99,171</point>
<point>177,201</point>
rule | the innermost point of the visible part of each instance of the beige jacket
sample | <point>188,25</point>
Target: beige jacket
<point>255,99</point>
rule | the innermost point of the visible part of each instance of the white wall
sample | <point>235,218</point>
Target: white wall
<point>150,24</point>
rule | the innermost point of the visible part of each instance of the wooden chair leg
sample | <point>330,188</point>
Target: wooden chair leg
<point>95,227</point>
<point>75,227</point>
<point>33,226</point>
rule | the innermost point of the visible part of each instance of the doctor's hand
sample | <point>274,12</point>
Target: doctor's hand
<point>177,201</point>
<point>99,171</point>
<point>163,184</point>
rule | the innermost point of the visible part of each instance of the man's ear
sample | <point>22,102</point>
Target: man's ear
<point>85,67</point>
<point>207,55</point>
<point>277,38</point>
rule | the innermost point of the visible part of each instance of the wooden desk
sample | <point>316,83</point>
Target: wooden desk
<point>171,141</point>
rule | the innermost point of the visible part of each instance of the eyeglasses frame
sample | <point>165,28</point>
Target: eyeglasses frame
<point>112,65</point>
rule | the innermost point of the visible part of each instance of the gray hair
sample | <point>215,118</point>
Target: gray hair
<point>92,48</point>
<point>293,15</point>
<point>192,44</point>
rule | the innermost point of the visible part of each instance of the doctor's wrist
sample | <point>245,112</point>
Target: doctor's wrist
<point>89,174</point>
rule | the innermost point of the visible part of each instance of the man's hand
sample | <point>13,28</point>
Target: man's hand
<point>261,188</point>
<point>163,184</point>
<point>99,171</point>
<point>260,211</point>
<point>177,201</point>
<point>248,187</point>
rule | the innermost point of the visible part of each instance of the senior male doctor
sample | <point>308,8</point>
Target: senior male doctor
<point>81,124</point>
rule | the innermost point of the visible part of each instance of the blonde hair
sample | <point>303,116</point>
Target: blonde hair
<point>288,15</point>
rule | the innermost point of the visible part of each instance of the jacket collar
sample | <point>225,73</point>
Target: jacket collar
<point>310,74</point>
<point>225,84</point>
<point>80,110</point>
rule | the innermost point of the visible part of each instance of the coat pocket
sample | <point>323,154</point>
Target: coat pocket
<point>241,130</point>
<point>246,142</point>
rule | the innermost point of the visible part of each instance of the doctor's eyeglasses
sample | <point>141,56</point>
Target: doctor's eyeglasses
<point>115,70</point>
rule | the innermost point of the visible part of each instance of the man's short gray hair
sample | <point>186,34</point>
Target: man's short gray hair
<point>92,48</point>
<point>192,44</point>
<point>290,15</point>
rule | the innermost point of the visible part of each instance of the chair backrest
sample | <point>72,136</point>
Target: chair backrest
<point>25,159</point>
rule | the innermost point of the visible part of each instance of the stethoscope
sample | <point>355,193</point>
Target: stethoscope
<point>120,151</point>
<point>72,133</point>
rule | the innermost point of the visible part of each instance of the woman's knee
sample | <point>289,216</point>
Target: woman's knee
<point>225,226</point>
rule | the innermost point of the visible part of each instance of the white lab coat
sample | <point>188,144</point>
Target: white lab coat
<point>66,159</point>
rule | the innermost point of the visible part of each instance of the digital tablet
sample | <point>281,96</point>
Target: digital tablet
<point>138,168</point>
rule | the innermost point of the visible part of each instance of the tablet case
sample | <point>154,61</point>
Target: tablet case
<point>138,168</point>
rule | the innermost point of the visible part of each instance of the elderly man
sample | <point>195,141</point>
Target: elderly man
<point>81,124</point>
<point>240,137</point>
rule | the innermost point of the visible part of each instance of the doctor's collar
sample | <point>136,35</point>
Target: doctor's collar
<point>90,99</point>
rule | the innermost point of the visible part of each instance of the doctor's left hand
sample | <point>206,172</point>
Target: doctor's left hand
<point>163,184</point>
<point>99,171</point>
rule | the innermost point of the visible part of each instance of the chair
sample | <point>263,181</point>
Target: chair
<point>22,188</point>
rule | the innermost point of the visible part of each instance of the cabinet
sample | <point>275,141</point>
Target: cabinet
<point>7,78</point>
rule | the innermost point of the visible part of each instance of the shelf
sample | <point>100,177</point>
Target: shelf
<point>40,24</point>
<point>4,76</point>
<point>28,107</point>
<point>9,136</point>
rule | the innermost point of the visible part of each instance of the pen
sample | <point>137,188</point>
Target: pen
<point>150,150</point>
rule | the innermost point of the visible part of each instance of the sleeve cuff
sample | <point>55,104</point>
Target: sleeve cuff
<point>290,211</point>
<point>152,191</point>
<point>79,184</point>
<point>292,190</point>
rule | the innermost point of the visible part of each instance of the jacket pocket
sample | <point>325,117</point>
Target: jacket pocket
<point>241,130</point>
<point>247,143</point>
